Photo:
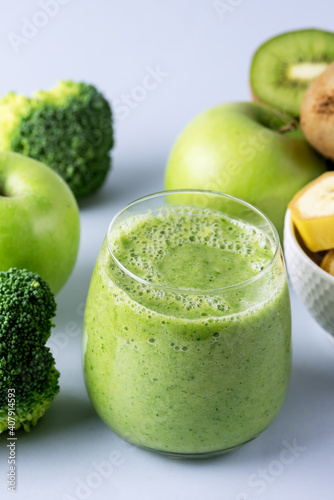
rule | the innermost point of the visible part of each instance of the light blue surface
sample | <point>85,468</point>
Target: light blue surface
<point>197,59</point>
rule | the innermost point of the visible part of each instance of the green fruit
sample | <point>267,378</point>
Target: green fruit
<point>284,66</point>
<point>238,148</point>
<point>39,220</point>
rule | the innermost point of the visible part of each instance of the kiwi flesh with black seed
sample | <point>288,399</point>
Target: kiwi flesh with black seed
<point>284,66</point>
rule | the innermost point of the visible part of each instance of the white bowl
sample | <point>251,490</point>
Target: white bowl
<point>313,285</point>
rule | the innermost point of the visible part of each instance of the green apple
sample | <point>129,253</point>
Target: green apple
<point>247,150</point>
<point>39,220</point>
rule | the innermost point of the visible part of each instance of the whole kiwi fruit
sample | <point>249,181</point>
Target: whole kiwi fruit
<point>317,113</point>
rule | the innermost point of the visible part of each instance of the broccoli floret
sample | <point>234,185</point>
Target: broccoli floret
<point>69,128</point>
<point>27,307</point>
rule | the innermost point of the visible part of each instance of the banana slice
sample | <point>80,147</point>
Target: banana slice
<point>327,263</point>
<point>312,212</point>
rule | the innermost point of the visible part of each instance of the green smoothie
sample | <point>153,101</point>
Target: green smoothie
<point>178,358</point>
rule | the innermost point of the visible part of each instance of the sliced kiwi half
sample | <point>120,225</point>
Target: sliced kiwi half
<point>284,66</point>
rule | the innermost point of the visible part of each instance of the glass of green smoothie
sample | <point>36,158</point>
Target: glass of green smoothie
<point>187,331</point>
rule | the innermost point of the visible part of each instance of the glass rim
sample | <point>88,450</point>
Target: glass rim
<point>196,291</point>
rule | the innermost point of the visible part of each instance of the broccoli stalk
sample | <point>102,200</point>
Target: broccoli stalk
<point>69,128</point>
<point>27,307</point>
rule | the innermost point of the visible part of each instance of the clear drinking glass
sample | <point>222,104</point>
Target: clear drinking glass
<point>187,332</point>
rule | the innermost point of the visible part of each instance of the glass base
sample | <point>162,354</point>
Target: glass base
<point>186,456</point>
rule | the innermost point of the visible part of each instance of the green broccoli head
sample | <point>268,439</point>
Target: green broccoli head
<point>27,307</point>
<point>69,128</point>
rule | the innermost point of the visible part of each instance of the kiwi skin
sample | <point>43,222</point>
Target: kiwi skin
<point>273,60</point>
<point>317,113</point>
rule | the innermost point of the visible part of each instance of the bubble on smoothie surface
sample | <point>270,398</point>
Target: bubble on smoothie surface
<point>180,249</point>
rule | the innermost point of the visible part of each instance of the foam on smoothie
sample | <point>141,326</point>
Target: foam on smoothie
<point>188,250</point>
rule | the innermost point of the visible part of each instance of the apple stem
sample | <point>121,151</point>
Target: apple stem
<point>289,127</point>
